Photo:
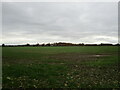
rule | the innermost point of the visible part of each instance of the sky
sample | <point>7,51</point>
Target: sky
<point>50,22</point>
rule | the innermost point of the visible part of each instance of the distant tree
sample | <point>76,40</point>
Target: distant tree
<point>81,44</point>
<point>27,44</point>
<point>37,44</point>
<point>3,45</point>
<point>43,44</point>
<point>48,44</point>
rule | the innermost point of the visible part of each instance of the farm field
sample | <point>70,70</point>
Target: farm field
<point>60,67</point>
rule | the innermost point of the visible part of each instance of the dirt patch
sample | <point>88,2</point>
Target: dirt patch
<point>99,55</point>
<point>77,56</point>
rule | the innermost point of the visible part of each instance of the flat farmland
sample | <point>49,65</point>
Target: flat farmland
<point>60,67</point>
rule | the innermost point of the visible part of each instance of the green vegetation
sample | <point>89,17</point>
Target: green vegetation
<point>61,67</point>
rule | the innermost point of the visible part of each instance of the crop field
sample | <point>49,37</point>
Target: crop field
<point>60,67</point>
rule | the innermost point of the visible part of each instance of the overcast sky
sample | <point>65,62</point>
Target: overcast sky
<point>59,22</point>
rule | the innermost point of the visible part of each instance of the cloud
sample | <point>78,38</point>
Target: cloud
<point>54,22</point>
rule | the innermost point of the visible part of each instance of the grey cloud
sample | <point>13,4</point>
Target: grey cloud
<point>54,22</point>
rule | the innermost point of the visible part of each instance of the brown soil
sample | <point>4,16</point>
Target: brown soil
<point>77,56</point>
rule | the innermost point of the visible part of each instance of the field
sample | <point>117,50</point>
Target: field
<point>60,67</point>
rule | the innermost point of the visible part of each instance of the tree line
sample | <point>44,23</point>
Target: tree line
<point>61,44</point>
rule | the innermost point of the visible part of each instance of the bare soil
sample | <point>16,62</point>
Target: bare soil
<point>77,56</point>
